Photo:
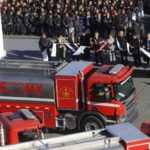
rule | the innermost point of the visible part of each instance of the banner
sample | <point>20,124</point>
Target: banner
<point>145,52</point>
<point>53,54</point>
<point>80,50</point>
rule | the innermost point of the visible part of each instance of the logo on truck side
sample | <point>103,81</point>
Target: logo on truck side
<point>18,88</point>
<point>65,92</point>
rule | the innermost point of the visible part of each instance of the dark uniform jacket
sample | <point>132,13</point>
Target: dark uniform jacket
<point>123,42</point>
<point>45,44</point>
<point>49,21</point>
<point>135,43</point>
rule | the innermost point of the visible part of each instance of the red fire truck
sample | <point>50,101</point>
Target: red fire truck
<point>114,137</point>
<point>75,95</point>
<point>20,126</point>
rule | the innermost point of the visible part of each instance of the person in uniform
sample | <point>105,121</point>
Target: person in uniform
<point>4,22</point>
<point>111,48</point>
<point>10,23</point>
<point>49,24</point>
<point>57,25</point>
<point>85,41</point>
<point>42,22</point>
<point>45,44</point>
<point>72,40</point>
<point>122,46</point>
<point>67,24</point>
<point>97,54</point>
<point>77,26</point>
<point>135,50</point>
<point>98,22</point>
<point>18,20</point>
<point>61,52</point>
<point>26,24</point>
<point>107,21</point>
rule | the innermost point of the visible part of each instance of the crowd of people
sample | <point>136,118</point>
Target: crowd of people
<point>97,24</point>
<point>64,16</point>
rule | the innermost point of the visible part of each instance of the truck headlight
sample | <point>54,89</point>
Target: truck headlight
<point>121,120</point>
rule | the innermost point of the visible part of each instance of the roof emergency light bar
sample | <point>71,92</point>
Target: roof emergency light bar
<point>27,113</point>
<point>116,69</point>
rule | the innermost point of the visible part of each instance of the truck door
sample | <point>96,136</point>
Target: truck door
<point>67,94</point>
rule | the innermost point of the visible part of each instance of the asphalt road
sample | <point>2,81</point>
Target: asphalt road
<point>143,99</point>
<point>22,48</point>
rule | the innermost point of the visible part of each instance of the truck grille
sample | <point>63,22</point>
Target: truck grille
<point>131,107</point>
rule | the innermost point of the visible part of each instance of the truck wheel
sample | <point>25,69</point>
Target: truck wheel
<point>91,123</point>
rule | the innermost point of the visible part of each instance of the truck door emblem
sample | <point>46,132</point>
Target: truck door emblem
<point>66,93</point>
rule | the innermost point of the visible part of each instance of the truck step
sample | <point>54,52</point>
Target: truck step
<point>60,123</point>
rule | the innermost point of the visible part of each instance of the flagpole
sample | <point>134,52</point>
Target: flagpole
<point>2,51</point>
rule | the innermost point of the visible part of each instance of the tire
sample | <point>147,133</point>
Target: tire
<point>91,123</point>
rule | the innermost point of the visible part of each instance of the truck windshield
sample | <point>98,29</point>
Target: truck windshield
<point>124,89</point>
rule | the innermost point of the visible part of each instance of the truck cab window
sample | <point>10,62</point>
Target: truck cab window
<point>102,92</point>
<point>27,135</point>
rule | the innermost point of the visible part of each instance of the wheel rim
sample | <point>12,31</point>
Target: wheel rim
<point>91,126</point>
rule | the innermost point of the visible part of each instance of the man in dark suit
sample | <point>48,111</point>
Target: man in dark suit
<point>122,42</point>
<point>85,41</point>
<point>45,44</point>
<point>135,49</point>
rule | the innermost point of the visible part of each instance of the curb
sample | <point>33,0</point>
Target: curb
<point>21,37</point>
<point>142,73</point>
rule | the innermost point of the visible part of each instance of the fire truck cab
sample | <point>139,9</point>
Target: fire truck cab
<point>20,126</point>
<point>104,95</point>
